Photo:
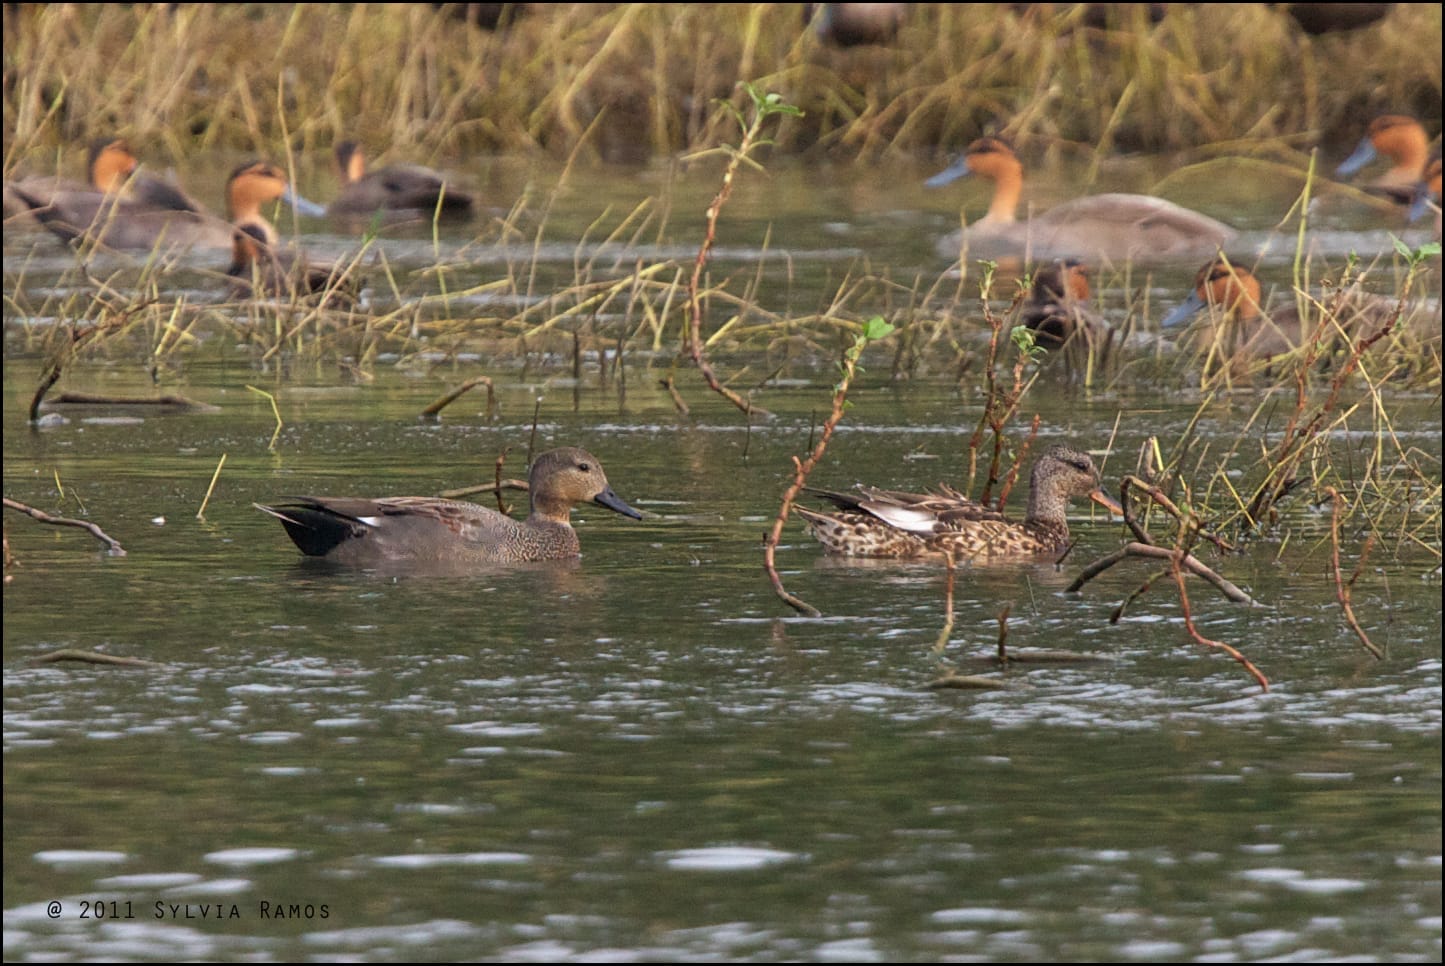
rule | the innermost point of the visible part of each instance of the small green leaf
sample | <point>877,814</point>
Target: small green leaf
<point>877,328</point>
<point>1023,340</point>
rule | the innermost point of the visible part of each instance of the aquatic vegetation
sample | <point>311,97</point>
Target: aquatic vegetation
<point>622,307</point>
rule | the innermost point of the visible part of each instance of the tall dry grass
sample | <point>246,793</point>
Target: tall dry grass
<point>628,81</point>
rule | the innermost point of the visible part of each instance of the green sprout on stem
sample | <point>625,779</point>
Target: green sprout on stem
<point>874,330</point>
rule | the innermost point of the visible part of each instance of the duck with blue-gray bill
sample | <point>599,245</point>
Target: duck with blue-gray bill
<point>370,532</point>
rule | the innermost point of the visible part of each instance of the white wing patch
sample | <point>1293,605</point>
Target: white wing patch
<point>902,517</point>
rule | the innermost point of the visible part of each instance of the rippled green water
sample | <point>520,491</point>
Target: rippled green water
<point>643,755</point>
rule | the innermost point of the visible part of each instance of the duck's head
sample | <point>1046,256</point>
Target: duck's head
<point>563,477</point>
<point>1232,287</point>
<point>1062,473</point>
<point>1398,137</point>
<point>351,161</point>
<point>257,183</point>
<point>987,157</point>
<point>111,164</point>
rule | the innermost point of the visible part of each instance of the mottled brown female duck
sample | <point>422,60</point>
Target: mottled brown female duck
<point>418,529</point>
<point>395,191</point>
<point>1108,227</point>
<point>888,523</point>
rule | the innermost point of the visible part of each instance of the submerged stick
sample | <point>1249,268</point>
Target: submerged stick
<point>275,411</point>
<point>431,411</point>
<point>1003,633</point>
<point>502,507</point>
<point>943,634</point>
<point>667,383</point>
<point>1186,560</point>
<point>496,487</point>
<point>1201,639</point>
<point>1140,591</point>
<point>112,546</point>
<point>91,657</point>
<point>971,682</point>
<point>95,399</point>
<point>48,380</point>
<point>201,513</point>
<point>1188,518</point>
<point>1343,588</point>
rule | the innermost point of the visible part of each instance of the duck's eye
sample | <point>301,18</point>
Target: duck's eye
<point>585,467</point>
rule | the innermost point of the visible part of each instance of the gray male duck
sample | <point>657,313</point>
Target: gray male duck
<point>371,532</point>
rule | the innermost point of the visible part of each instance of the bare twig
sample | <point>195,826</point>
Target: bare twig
<point>498,486</point>
<point>91,657</point>
<point>1201,639</point>
<point>947,630</point>
<point>112,547</point>
<point>79,336</point>
<point>1139,591</point>
<point>873,330</point>
<point>501,460</point>
<point>93,399</point>
<point>1189,520</point>
<point>431,411</point>
<point>667,383</point>
<point>1343,588</point>
<point>970,682</point>
<point>1184,560</point>
<point>1003,633</point>
<point>1000,405</point>
<point>201,513</point>
<point>764,106</point>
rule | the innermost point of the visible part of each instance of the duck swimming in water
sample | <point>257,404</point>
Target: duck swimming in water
<point>398,190</point>
<point>1240,327</point>
<point>420,530</point>
<point>1056,309</point>
<point>1106,227</point>
<point>894,524</point>
<point>1401,139</point>
<point>121,222</point>
<point>261,269</point>
<point>114,171</point>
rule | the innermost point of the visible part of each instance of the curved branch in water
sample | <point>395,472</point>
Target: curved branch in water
<point>112,546</point>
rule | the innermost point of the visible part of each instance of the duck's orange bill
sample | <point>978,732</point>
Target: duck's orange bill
<point>1106,501</point>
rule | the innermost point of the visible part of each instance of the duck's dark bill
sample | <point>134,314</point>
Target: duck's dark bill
<point>614,503</point>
